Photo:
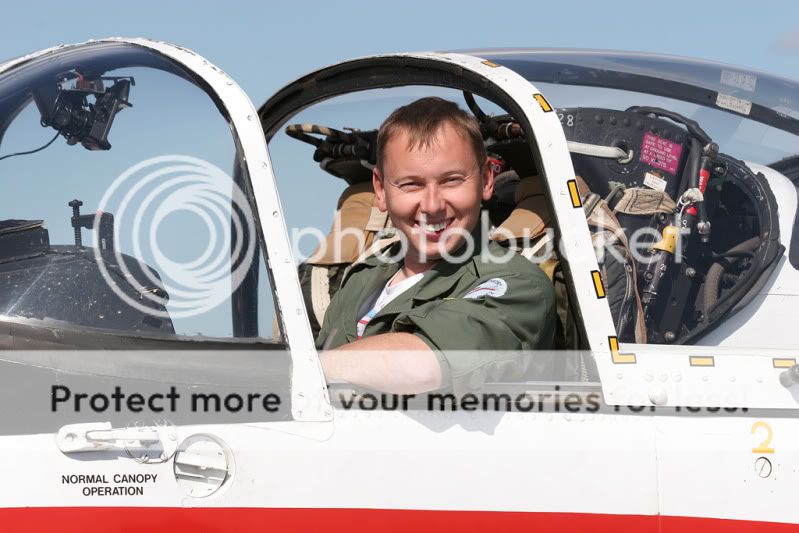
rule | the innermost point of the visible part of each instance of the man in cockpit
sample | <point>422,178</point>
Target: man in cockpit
<point>456,309</point>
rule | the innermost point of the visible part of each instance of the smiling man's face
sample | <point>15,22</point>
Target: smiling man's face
<point>432,192</point>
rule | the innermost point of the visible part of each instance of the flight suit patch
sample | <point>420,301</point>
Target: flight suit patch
<point>495,287</point>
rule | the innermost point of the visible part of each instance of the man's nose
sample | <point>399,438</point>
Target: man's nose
<point>433,200</point>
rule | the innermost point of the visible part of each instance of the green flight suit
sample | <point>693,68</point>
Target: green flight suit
<point>476,329</point>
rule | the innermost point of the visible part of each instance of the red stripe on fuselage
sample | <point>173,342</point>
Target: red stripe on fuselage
<point>170,520</point>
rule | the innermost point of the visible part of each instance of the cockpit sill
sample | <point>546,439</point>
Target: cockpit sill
<point>19,333</point>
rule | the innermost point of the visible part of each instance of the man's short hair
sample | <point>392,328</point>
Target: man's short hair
<point>422,119</point>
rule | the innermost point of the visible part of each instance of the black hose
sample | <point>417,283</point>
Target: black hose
<point>692,126</point>
<point>692,165</point>
<point>474,108</point>
<point>51,141</point>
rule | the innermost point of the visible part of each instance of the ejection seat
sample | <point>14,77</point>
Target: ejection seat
<point>359,228</point>
<point>518,210</point>
<point>529,230</point>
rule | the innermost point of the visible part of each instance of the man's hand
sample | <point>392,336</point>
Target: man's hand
<point>397,363</point>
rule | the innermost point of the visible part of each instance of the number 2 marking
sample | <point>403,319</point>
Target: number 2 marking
<point>764,446</point>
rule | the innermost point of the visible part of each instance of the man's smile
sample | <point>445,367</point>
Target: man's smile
<point>433,228</point>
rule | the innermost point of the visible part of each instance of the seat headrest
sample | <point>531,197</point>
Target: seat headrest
<point>531,216</point>
<point>354,225</point>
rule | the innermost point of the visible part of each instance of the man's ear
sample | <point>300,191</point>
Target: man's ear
<point>488,180</point>
<point>380,191</point>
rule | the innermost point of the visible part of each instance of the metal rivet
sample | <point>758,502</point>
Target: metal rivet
<point>763,467</point>
<point>657,395</point>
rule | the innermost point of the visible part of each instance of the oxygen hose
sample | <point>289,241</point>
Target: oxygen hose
<point>710,295</point>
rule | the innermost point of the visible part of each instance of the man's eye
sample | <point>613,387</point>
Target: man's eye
<point>409,186</point>
<point>452,181</point>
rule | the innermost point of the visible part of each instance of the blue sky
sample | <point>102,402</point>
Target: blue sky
<point>265,45</point>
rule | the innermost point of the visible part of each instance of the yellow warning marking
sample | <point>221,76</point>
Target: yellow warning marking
<point>765,446</point>
<point>574,193</point>
<point>784,362</point>
<point>600,289</point>
<point>542,102</point>
<point>702,360</point>
<point>620,358</point>
<point>489,63</point>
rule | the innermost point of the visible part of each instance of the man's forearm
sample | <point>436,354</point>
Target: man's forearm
<point>398,363</point>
